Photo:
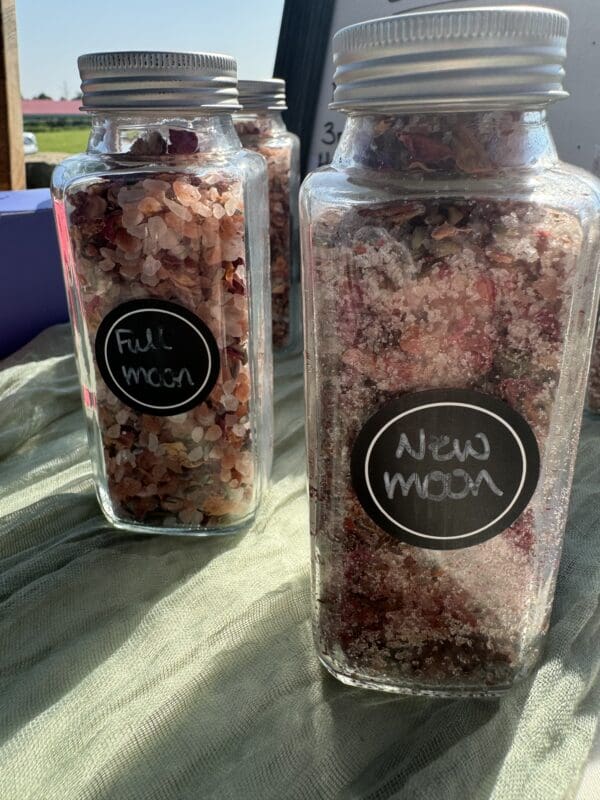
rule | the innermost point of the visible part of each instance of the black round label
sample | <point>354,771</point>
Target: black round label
<point>157,357</point>
<point>445,469</point>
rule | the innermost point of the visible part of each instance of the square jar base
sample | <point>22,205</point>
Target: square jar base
<point>361,681</point>
<point>164,530</point>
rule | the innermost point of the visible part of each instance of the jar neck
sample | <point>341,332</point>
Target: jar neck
<point>259,123</point>
<point>142,135</point>
<point>458,143</point>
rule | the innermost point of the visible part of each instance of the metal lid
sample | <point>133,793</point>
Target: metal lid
<point>484,58</point>
<point>153,80</point>
<point>261,95</point>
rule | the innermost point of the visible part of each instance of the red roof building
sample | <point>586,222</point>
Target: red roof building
<point>51,108</point>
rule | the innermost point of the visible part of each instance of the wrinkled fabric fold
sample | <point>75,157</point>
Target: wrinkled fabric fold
<point>150,668</point>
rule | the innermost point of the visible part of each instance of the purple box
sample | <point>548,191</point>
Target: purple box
<point>32,292</point>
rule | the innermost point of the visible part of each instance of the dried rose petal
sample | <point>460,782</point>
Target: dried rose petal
<point>182,142</point>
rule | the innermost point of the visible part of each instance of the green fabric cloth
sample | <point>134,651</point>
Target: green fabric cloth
<point>156,668</point>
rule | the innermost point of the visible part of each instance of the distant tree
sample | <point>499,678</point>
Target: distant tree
<point>78,96</point>
<point>42,96</point>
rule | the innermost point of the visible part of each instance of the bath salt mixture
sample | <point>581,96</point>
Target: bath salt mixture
<point>470,294</point>
<point>257,135</point>
<point>593,393</point>
<point>176,238</point>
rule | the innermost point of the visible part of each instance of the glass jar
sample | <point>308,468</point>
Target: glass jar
<point>262,129</point>
<point>449,271</point>
<point>164,261</point>
<point>593,390</point>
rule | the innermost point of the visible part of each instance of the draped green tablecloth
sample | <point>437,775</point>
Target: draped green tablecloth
<point>161,668</point>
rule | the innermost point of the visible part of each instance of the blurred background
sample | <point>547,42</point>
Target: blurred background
<point>52,36</point>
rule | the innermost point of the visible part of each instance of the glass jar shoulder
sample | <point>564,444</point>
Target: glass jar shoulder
<point>282,140</point>
<point>237,165</point>
<point>560,186</point>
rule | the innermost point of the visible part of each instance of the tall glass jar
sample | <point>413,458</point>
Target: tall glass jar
<point>262,129</point>
<point>593,392</point>
<point>449,269</point>
<point>593,389</point>
<point>163,233</point>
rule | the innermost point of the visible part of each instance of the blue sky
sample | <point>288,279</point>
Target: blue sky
<point>52,33</point>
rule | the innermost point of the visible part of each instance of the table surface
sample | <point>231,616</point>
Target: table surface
<point>151,668</point>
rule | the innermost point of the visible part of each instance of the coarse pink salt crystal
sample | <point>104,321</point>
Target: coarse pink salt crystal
<point>131,217</point>
<point>175,223</point>
<point>131,270</point>
<point>152,442</point>
<point>218,211</point>
<point>149,205</point>
<point>179,210</point>
<point>201,209</point>
<point>126,242</point>
<point>151,265</point>
<point>156,187</point>
<point>198,434</point>
<point>122,417</point>
<point>235,330</point>
<point>228,460</point>
<point>197,454</point>
<point>213,433</point>
<point>190,516</point>
<point>231,207</point>
<point>239,430</point>
<point>185,193</point>
<point>157,227</point>
<point>130,195</point>
<point>230,403</point>
<point>204,415</point>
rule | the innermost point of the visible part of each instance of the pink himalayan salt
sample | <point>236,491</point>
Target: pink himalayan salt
<point>160,253</point>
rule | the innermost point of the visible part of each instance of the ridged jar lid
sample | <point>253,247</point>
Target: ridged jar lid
<point>154,80</point>
<point>263,95</point>
<point>471,58</point>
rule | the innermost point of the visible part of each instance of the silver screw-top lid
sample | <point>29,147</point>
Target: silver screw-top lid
<point>469,58</point>
<point>263,95</point>
<point>149,81</point>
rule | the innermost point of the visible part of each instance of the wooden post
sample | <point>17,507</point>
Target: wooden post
<point>12,159</point>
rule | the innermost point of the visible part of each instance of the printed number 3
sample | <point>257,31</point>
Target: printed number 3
<point>330,136</point>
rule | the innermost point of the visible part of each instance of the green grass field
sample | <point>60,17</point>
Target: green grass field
<point>63,140</point>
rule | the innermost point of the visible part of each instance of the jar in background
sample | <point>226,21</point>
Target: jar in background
<point>593,389</point>
<point>261,128</point>
<point>162,227</point>
<point>449,272</point>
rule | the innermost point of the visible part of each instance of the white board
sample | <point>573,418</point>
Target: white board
<point>575,122</point>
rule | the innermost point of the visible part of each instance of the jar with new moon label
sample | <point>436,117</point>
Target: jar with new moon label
<point>165,263</point>
<point>449,270</point>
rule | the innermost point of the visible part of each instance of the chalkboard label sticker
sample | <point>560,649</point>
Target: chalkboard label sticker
<point>157,357</point>
<point>445,469</point>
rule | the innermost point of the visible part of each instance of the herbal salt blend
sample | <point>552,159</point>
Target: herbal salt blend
<point>449,273</point>
<point>165,267</point>
<point>262,129</point>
